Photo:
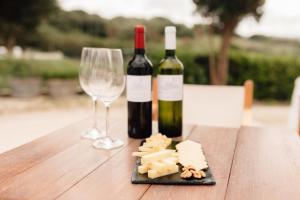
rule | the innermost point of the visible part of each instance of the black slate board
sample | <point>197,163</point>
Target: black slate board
<point>172,179</point>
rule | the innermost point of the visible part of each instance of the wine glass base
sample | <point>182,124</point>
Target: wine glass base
<point>92,134</point>
<point>108,143</point>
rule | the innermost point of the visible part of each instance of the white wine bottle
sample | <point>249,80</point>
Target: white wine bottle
<point>170,88</point>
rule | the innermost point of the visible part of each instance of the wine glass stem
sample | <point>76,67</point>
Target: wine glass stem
<point>106,120</point>
<point>95,126</point>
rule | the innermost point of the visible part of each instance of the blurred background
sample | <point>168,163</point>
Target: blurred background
<point>219,42</point>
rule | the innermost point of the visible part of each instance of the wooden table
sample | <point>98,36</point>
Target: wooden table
<point>248,163</point>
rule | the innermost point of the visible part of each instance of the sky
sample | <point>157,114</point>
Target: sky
<point>281,17</point>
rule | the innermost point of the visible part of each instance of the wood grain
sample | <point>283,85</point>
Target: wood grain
<point>219,145</point>
<point>266,166</point>
<point>24,157</point>
<point>112,180</point>
<point>49,179</point>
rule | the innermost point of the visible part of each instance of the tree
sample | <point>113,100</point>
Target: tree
<point>226,14</point>
<point>79,20</point>
<point>19,17</point>
<point>122,27</point>
<point>156,27</point>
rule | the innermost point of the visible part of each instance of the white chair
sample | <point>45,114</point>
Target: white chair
<point>293,122</point>
<point>213,105</point>
<point>227,106</point>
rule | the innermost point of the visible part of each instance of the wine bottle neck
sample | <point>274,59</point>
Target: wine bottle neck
<point>139,51</point>
<point>170,53</point>
<point>139,40</point>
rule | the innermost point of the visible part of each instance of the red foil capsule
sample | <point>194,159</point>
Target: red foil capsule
<point>139,37</point>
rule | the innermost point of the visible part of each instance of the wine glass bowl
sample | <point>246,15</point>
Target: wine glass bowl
<point>117,84</point>
<point>95,63</point>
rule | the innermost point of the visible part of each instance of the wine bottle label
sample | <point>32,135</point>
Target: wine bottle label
<point>170,87</point>
<point>139,88</point>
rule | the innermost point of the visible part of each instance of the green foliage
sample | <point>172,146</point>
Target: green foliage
<point>21,69</point>
<point>79,21</point>
<point>183,31</point>
<point>194,72</point>
<point>45,69</point>
<point>5,71</point>
<point>17,68</point>
<point>70,43</point>
<point>20,17</point>
<point>226,15</point>
<point>122,28</point>
<point>273,76</point>
<point>156,26</point>
<point>70,31</point>
<point>64,69</point>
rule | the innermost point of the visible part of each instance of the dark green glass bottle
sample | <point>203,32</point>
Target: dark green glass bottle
<point>170,88</point>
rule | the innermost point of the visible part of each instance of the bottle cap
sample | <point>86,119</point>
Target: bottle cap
<point>139,31</point>
<point>170,37</point>
<point>170,29</point>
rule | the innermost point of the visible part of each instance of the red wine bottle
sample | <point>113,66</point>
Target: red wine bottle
<point>139,89</point>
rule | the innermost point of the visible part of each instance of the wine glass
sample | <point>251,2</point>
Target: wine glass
<point>93,59</point>
<point>110,94</point>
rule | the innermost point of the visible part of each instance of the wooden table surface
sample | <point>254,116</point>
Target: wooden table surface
<point>248,163</point>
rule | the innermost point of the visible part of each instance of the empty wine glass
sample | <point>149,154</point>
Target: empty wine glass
<point>110,94</point>
<point>92,60</point>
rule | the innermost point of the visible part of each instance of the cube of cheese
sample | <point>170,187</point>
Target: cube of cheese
<point>142,169</point>
<point>155,174</point>
<point>171,159</point>
<point>157,156</point>
<point>158,166</point>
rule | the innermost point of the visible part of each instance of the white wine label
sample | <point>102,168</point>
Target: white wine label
<point>170,87</point>
<point>139,88</point>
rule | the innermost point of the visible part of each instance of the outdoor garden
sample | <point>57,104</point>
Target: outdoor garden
<point>272,63</point>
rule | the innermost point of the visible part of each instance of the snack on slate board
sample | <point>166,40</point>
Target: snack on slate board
<point>158,161</point>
